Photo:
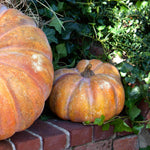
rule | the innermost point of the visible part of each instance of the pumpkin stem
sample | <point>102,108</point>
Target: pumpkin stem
<point>87,71</point>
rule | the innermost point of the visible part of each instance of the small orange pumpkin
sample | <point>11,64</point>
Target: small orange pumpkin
<point>86,92</point>
<point>26,71</point>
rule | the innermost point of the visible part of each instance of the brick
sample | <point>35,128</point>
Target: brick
<point>101,145</point>
<point>126,143</point>
<point>144,106</point>
<point>5,145</point>
<point>99,134</point>
<point>52,137</point>
<point>24,140</point>
<point>79,133</point>
<point>148,115</point>
<point>82,147</point>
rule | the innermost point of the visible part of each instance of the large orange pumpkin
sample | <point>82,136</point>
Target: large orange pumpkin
<point>26,71</point>
<point>87,92</point>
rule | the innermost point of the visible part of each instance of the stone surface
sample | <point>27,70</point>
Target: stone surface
<point>52,137</point>
<point>99,134</point>
<point>126,143</point>
<point>79,133</point>
<point>144,138</point>
<point>24,140</point>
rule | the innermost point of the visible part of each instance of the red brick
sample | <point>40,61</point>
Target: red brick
<point>82,147</point>
<point>101,145</point>
<point>24,140</point>
<point>148,115</point>
<point>99,134</point>
<point>5,145</point>
<point>144,106</point>
<point>79,133</point>
<point>52,137</point>
<point>126,143</point>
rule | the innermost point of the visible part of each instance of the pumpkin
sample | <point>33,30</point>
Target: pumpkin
<point>87,92</point>
<point>26,71</point>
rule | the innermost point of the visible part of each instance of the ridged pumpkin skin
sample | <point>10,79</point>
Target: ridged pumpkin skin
<point>26,71</point>
<point>78,98</point>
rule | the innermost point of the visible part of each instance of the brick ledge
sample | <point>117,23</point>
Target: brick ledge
<point>56,134</point>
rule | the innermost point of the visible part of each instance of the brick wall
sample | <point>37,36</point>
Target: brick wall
<point>56,134</point>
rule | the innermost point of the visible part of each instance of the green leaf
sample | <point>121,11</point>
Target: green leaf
<point>61,50</point>
<point>146,148</point>
<point>135,93</point>
<point>50,33</point>
<point>69,28</point>
<point>120,126</point>
<point>99,121</point>
<point>86,122</point>
<point>138,128</point>
<point>105,127</point>
<point>56,24</point>
<point>138,4</point>
<point>123,8</point>
<point>60,6</point>
<point>147,80</point>
<point>126,67</point>
<point>72,1</point>
<point>148,125</point>
<point>99,28</point>
<point>86,44</point>
<point>72,64</point>
<point>134,112</point>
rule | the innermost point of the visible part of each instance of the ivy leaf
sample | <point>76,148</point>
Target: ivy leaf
<point>105,127</point>
<point>72,1</point>
<point>134,112</point>
<point>72,64</point>
<point>61,50</point>
<point>50,33</point>
<point>126,67</point>
<point>146,148</point>
<point>99,121</point>
<point>137,129</point>
<point>60,6</point>
<point>99,28</point>
<point>69,28</point>
<point>147,80</point>
<point>86,122</point>
<point>148,125</point>
<point>56,23</point>
<point>86,44</point>
<point>132,96</point>
<point>120,126</point>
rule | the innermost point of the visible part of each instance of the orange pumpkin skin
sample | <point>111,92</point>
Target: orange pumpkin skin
<point>26,71</point>
<point>78,98</point>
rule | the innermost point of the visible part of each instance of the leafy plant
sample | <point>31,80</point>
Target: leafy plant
<point>120,31</point>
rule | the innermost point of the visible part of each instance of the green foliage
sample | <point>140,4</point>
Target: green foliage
<point>121,28</point>
<point>99,121</point>
<point>146,148</point>
<point>120,126</point>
